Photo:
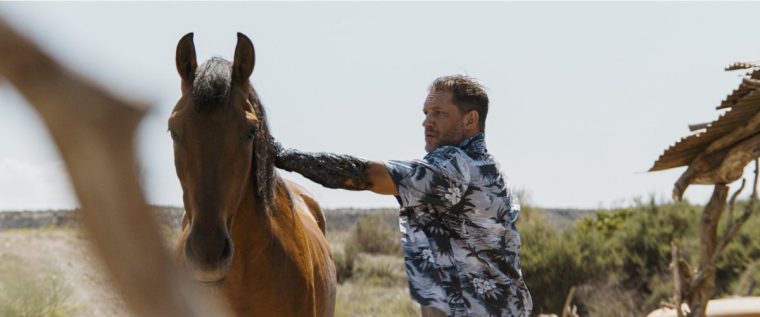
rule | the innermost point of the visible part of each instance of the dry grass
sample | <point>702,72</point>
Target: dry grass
<point>355,299</point>
<point>372,234</point>
<point>377,284</point>
<point>381,271</point>
<point>26,292</point>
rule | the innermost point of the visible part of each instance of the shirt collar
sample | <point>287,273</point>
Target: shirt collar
<point>475,144</point>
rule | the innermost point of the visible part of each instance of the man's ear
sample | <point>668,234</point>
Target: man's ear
<point>472,120</point>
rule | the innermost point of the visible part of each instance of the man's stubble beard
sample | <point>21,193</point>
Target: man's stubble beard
<point>453,137</point>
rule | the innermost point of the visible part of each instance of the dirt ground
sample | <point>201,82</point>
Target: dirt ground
<point>65,252</point>
<point>378,288</point>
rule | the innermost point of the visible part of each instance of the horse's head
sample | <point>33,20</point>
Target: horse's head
<point>215,126</point>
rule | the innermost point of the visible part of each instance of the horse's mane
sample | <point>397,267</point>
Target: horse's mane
<point>210,88</point>
<point>266,179</point>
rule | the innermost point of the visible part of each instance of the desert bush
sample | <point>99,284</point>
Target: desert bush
<point>345,262</point>
<point>371,234</point>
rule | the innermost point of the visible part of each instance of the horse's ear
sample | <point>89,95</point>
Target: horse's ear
<point>245,58</point>
<point>186,62</point>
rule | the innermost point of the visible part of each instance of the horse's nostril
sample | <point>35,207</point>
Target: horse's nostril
<point>193,253</point>
<point>227,252</point>
<point>208,251</point>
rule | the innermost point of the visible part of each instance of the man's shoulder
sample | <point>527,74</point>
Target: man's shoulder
<point>451,161</point>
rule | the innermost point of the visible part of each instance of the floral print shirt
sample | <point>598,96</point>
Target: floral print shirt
<point>458,233</point>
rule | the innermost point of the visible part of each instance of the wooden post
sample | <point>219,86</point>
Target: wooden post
<point>566,310</point>
<point>678,282</point>
<point>708,231</point>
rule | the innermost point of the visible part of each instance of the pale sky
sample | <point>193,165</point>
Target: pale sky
<point>584,96</point>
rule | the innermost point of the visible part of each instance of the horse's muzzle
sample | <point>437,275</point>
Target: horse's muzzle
<point>208,255</point>
<point>209,278</point>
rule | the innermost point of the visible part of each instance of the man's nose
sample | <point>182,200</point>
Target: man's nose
<point>427,122</point>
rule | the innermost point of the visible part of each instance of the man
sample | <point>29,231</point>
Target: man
<point>457,216</point>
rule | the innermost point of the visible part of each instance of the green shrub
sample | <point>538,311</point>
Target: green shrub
<point>747,284</point>
<point>625,253</point>
<point>740,255</point>
<point>553,261</point>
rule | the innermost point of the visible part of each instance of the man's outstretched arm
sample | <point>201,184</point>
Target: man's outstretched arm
<point>337,171</point>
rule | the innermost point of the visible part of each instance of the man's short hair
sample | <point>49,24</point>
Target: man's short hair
<point>467,93</point>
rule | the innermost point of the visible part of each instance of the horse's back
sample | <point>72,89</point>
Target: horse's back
<point>301,195</point>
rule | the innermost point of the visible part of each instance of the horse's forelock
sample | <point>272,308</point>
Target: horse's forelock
<point>212,83</point>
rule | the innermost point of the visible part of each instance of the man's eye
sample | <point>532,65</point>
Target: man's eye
<point>174,135</point>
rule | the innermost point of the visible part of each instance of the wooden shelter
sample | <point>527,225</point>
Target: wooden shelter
<point>715,154</point>
<point>718,151</point>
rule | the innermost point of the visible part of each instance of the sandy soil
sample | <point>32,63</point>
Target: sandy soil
<point>65,251</point>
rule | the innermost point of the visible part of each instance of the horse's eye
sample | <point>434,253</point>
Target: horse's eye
<point>251,133</point>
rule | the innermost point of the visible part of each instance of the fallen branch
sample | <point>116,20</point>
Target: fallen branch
<point>566,310</point>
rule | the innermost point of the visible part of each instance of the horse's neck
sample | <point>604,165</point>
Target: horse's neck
<point>273,267</point>
<point>253,226</point>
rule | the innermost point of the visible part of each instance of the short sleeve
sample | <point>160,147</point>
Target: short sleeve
<point>440,179</point>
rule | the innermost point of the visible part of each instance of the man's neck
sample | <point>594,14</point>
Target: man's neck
<point>468,137</point>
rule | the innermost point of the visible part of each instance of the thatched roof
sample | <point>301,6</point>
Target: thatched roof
<point>734,125</point>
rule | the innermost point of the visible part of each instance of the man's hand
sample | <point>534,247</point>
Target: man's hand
<point>336,171</point>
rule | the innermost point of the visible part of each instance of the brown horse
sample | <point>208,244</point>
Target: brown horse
<point>256,237</point>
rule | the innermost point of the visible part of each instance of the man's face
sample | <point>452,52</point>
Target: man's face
<point>444,123</point>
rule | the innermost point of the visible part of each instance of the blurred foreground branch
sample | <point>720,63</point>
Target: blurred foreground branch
<point>94,133</point>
